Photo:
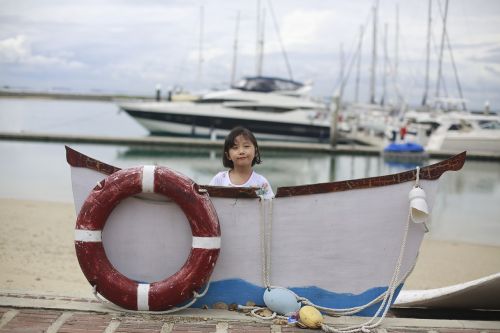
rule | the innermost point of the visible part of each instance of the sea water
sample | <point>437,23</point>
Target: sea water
<point>467,206</point>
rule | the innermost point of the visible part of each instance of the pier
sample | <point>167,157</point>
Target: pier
<point>187,142</point>
<point>50,313</point>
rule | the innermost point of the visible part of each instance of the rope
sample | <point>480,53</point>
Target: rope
<point>265,240</point>
<point>389,294</point>
<point>115,307</point>
<point>254,309</point>
<point>417,176</point>
<point>386,297</point>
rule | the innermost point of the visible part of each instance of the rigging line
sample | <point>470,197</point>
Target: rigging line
<point>440,63</point>
<point>427,53</point>
<point>392,70</point>
<point>374,53</point>
<point>436,51</point>
<point>453,63</point>
<point>276,27</point>
<point>235,50</point>
<point>358,65</point>
<point>354,55</point>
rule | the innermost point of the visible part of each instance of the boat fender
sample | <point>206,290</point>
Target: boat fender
<point>159,295</point>
<point>419,210</point>
<point>281,300</point>
<point>310,317</point>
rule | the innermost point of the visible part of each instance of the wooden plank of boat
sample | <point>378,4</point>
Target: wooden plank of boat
<point>335,243</point>
<point>481,294</point>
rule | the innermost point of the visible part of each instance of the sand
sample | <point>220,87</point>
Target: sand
<point>37,254</point>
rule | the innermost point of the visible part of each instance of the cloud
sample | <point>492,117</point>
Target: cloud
<point>491,56</point>
<point>17,50</point>
<point>492,70</point>
<point>303,27</point>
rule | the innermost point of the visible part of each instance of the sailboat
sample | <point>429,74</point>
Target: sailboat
<point>446,124</point>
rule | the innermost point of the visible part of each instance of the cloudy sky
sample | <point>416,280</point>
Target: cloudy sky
<point>131,46</point>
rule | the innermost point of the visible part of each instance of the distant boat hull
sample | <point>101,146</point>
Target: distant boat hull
<point>479,294</point>
<point>190,119</point>
<point>336,244</point>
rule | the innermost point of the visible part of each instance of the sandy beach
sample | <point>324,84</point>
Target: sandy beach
<point>37,253</point>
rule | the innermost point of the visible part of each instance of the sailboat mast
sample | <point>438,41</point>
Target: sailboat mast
<point>260,55</point>
<point>257,40</point>
<point>358,67</point>
<point>396,47</point>
<point>200,46</point>
<point>278,33</point>
<point>374,54</point>
<point>428,54</point>
<point>440,64</point>
<point>384,78</point>
<point>235,50</point>
<point>260,39</point>
<point>342,73</point>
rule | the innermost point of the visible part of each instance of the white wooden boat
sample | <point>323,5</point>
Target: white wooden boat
<point>337,244</point>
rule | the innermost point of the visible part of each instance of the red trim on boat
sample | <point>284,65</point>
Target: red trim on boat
<point>431,172</point>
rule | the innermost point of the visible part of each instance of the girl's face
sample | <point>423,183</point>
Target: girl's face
<point>242,152</point>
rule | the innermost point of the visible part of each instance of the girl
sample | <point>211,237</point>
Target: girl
<point>241,153</point>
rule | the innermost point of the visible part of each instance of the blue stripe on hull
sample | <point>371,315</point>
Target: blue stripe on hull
<point>240,292</point>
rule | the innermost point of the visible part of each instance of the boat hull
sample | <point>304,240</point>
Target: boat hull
<point>336,244</point>
<point>210,120</point>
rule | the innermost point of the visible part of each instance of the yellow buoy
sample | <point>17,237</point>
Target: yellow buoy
<point>310,316</point>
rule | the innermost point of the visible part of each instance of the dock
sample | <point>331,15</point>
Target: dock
<point>97,97</point>
<point>188,142</point>
<point>23,312</point>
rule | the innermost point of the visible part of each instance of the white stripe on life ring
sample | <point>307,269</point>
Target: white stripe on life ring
<point>88,235</point>
<point>148,179</point>
<point>143,297</point>
<point>206,242</point>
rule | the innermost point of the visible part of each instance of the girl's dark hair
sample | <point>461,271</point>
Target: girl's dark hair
<point>229,142</point>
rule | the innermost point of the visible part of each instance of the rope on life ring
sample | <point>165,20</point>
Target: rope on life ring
<point>174,290</point>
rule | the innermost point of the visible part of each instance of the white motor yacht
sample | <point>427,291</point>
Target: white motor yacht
<point>272,108</point>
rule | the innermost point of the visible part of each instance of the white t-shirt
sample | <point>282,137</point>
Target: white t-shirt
<point>260,183</point>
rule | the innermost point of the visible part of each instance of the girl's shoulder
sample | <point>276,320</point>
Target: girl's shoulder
<point>222,174</point>
<point>257,176</point>
<point>264,188</point>
<point>220,179</point>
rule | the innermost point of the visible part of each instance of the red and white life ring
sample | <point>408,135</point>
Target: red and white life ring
<point>116,287</point>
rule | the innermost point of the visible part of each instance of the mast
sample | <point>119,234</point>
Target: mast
<point>283,51</point>
<point>235,50</point>
<point>358,65</point>
<point>200,46</point>
<point>342,74</point>
<point>260,42</point>
<point>396,47</point>
<point>257,38</point>
<point>384,78</point>
<point>428,54</point>
<point>374,54</point>
<point>440,64</point>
